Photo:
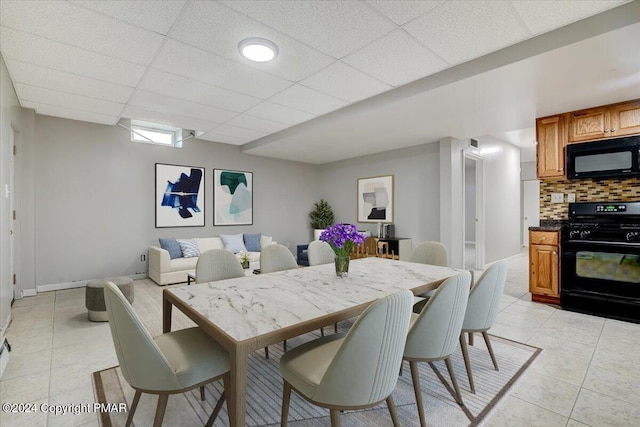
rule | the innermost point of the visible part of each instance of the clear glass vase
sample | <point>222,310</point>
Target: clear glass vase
<point>342,266</point>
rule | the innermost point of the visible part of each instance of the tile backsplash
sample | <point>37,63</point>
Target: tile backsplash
<point>586,190</point>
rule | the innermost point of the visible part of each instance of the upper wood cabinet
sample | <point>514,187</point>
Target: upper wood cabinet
<point>551,135</point>
<point>625,119</point>
<point>605,122</point>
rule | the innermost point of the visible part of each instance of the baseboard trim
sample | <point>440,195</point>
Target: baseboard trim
<point>79,283</point>
<point>29,293</point>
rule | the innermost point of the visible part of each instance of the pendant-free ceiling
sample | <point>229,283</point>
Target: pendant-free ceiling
<point>257,49</point>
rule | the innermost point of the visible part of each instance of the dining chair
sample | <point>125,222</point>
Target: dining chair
<point>217,264</point>
<point>434,253</point>
<point>482,310</point>
<point>170,363</point>
<point>276,257</point>
<point>320,253</point>
<point>433,334</point>
<point>355,370</point>
<point>273,258</point>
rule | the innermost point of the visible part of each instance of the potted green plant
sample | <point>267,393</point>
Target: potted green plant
<point>321,217</point>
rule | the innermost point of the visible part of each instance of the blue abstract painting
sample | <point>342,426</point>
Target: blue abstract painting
<point>179,196</point>
<point>232,197</point>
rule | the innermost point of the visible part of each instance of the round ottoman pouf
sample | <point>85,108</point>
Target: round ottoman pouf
<point>94,296</point>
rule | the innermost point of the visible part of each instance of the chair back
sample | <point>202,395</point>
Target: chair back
<point>217,264</point>
<point>485,296</point>
<point>320,252</point>
<point>435,332</point>
<point>434,253</point>
<point>365,368</point>
<point>142,363</point>
<point>276,257</point>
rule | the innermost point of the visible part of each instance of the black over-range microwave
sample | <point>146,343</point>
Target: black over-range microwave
<point>608,158</point>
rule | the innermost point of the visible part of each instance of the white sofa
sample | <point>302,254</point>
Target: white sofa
<point>164,271</point>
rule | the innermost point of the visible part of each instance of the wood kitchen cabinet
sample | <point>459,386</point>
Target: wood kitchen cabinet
<point>544,267</point>
<point>551,134</point>
<point>605,122</point>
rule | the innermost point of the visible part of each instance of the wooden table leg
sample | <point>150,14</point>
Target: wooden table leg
<point>166,313</point>
<point>237,397</point>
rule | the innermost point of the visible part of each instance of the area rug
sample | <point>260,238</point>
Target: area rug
<point>264,392</point>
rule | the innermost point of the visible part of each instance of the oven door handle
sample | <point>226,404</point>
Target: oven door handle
<point>597,244</point>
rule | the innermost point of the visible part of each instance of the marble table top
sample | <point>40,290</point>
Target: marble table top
<point>245,308</point>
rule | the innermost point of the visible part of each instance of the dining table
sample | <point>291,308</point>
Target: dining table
<point>249,313</point>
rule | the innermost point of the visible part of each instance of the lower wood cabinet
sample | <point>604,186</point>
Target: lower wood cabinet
<point>544,267</point>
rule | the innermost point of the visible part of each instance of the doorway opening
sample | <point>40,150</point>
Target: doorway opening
<point>473,208</point>
<point>530,207</point>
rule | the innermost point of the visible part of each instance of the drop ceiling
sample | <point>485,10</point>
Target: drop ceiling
<point>351,78</point>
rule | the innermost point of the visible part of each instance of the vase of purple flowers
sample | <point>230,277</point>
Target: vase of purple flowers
<point>342,238</point>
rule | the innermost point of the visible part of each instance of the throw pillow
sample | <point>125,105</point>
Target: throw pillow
<point>233,242</point>
<point>252,242</point>
<point>189,248</point>
<point>171,246</point>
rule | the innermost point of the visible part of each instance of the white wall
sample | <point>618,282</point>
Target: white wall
<point>416,189</point>
<point>94,198</point>
<point>502,200</point>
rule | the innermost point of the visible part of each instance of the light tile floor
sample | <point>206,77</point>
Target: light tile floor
<point>587,374</point>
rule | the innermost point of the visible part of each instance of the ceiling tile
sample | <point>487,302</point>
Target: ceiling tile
<point>462,30</point>
<point>196,64</point>
<point>35,75</point>
<point>257,124</point>
<point>401,11</point>
<point>309,100</point>
<point>68,100</point>
<point>69,113</point>
<point>396,59</point>
<point>336,28</point>
<point>545,15</point>
<point>344,82</point>
<point>279,113</point>
<point>218,29</point>
<point>191,90</point>
<point>140,113</point>
<point>36,50</point>
<point>75,26</point>
<point>169,105</point>
<point>154,15</point>
<point>237,132</point>
<point>225,139</point>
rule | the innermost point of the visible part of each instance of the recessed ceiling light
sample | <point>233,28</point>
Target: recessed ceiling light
<point>257,49</point>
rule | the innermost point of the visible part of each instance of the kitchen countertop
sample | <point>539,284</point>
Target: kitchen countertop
<point>550,225</point>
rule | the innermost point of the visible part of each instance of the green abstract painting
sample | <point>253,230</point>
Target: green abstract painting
<point>232,197</point>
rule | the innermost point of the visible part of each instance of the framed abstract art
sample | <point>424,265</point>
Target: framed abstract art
<point>232,197</point>
<point>375,199</point>
<point>179,196</point>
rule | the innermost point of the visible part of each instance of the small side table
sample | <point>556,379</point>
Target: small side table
<point>191,277</point>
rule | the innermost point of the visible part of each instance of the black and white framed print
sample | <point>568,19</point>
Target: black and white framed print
<point>375,199</point>
<point>179,196</point>
<point>232,197</point>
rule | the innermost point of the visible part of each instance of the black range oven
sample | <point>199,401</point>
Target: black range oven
<point>600,267</point>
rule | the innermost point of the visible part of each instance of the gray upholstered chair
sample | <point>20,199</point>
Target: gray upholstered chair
<point>482,310</point>
<point>320,253</point>
<point>352,371</point>
<point>217,264</point>
<point>171,363</point>
<point>276,257</point>
<point>433,334</point>
<point>434,253</point>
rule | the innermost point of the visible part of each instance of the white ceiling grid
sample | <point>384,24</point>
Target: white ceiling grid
<point>177,62</point>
